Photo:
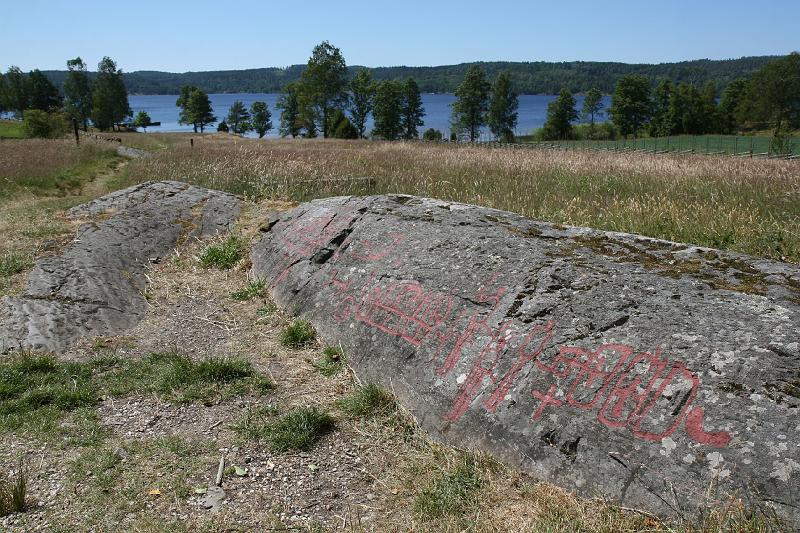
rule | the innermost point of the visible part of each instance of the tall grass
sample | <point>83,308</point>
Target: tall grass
<point>751,206</point>
<point>49,166</point>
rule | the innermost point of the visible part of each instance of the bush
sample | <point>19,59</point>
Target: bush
<point>340,127</point>
<point>432,134</point>
<point>603,131</point>
<point>37,123</point>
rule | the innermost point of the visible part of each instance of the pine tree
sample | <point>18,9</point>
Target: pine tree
<point>362,89</point>
<point>412,110</point>
<point>261,118</point>
<point>472,103</point>
<point>17,92</point>
<point>110,97</point>
<point>43,94</point>
<point>289,105</point>
<point>630,104</point>
<point>662,120</point>
<point>78,92</point>
<point>200,110</point>
<point>592,105</point>
<point>238,118</point>
<point>388,110</point>
<point>560,115</point>
<point>3,94</point>
<point>324,83</point>
<point>185,117</point>
<point>502,116</point>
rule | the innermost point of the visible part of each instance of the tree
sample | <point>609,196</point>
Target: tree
<point>362,90</point>
<point>472,102</point>
<point>388,110</point>
<point>630,104</point>
<point>3,94</point>
<point>110,97</point>
<point>502,116</point>
<point>773,94</point>
<point>432,135</point>
<point>560,114</point>
<point>38,123</point>
<point>289,105</point>
<point>43,94</point>
<point>78,92</point>
<point>222,127</point>
<point>340,126</point>
<point>324,82</point>
<point>592,105</point>
<point>661,122</point>
<point>730,103</point>
<point>16,91</point>
<point>142,120</point>
<point>261,118</point>
<point>200,111</point>
<point>411,112</point>
<point>184,117</point>
<point>238,118</point>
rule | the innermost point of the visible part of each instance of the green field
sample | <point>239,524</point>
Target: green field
<point>11,129</point>
<point>743,145</point>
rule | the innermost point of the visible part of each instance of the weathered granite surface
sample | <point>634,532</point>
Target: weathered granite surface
<point>95,286</point>
<point>661,375</point>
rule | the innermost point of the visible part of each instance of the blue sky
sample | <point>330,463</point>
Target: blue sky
<point>178,36</point>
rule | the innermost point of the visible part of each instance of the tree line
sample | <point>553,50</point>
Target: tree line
<point>767,98</point>
<point>528,77</point>
<point>325,100</point>
<point>103,100</point>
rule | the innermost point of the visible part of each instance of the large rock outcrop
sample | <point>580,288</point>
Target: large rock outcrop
<point>95,287</point>
<point>661,375</point>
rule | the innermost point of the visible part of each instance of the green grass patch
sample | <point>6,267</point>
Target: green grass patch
<point>331,362</point>
<point>452,493</point>
<point>14,490</point>
<point>11,129</point>
<point>298,334</point>
<point>266,310</point>
<point>13,263</point>
<point>224,255</point>
<point>251,290</point>
<point>368,401</point>
<point>179,378</point>
<point>48,397</point>
<point>299,429</point>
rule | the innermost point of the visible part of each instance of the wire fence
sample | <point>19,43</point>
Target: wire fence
<point>733,145</point>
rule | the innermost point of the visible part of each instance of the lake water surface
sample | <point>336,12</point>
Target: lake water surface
<point>161,108</point>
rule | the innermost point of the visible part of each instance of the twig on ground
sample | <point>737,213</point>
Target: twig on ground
<point>220,470</point>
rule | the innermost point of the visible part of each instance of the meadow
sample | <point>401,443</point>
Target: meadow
<point>741,204</point>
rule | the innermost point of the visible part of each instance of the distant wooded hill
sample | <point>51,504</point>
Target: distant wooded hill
<point>529,78</point>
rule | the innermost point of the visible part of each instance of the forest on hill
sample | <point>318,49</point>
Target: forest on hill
<point>528,78</point>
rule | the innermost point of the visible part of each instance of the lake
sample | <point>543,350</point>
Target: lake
<point>161,108</point>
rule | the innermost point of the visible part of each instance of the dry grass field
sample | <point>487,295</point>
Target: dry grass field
<point>749,206</point>
<point>144,442</point>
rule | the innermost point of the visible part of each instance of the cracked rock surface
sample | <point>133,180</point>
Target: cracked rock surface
<point>95,286</point>
<point>663,376</point>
